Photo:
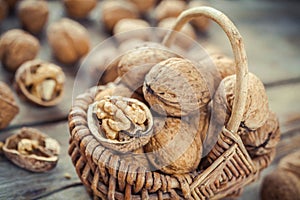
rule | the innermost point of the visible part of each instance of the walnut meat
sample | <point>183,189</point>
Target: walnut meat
<point>40,82</point>
<point>177,87</point>
<point>8,107</point>
<point>187,31</point>
<point>175,146</point>
<point>3,9</point>
<point>166,9</point>
<point>263,140</point>
<point>137,27</point>
<point>78,8</point>
<point>120,123</point>
<point>17,47</point>
<point>256,109</point>
<point>69,40</point>
<point>32,150</point>
<point>33,15</point>
<point>114,11</point>
<point>135,64</point>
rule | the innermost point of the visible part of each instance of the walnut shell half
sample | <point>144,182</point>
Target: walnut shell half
<point>120,123</point>
<point>177,87</point>
<point>40,82</point>
<point>32,150</point>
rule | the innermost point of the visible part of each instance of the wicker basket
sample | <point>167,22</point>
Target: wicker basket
<point>107,176</point>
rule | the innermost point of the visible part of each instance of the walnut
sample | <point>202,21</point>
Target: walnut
<point>280,184</point>
<point>200,23</point>
<point>291,163</point>
<point>17,47</point>
<point>32,150</point>
<point>256,109</point>
<point>120,123</point>
<point>69,40</point>
<point>33,15</point>
<point>186,31</point>
<point>78,8</point>
<point>175,146</point>
<point>40,82</point>
<point>144,6</point>
<point>137,29</point>
<point>263,140</point>
<point>135,64</point>
<point>129,44</point>
<point>11,3</point>
<point>3,10</point>
<point>8,107</point>
<point>137,157</point>
<point>166,9</point>
<point>114,11</point>
<point>177,87</point>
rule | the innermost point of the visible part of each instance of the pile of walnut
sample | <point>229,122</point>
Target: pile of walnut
<point>190,102</point>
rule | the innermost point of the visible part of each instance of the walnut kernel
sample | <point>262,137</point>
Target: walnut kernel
<point>17,47</point>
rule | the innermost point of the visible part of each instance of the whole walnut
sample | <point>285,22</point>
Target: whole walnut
<point>167,8</point>
<point>176,86</point>
<point>17,47</point>
<point>3,9</point>
<point>33,15</point>
<point>68,40</point>
<point>175,146</point>
<point>187,31</point>
<point>263,140</point>
<point>256,110</point>
<point>138,29</point>
<point>144,6</point>
<point>200,23</point>
<point>136,63</point>
<point>8,107</point>
<point>114,11</point>
<point>291,163</point>
<point>78,8</point>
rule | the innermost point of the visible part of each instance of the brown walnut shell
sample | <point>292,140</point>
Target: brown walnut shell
<point>175,146</point>
<point>135,64</point>
<point>78,8</point>
<point>256,109</point>
<point>200,23</point>
<point>33,15</point>
<point>32,150</point>
<point>263,140</point>
<point>114,11</point>
<point>177,87</point>
<point>68,40</point>
<point>166,9</point>
<point>3,9</point>
<point>8,107</point>
<point>17,47</point>
<point>291,163</point>
<point>279,185</point>
<point>144,6</point>
<point>120,123</point>
<point>40,82</point>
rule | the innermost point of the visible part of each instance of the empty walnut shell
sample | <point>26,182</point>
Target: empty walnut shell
<point>33,15</point>
<point>68,40</point>
<point>120,123</point>
<point>256,109</point>
<point>114,11</point>
<point>175,146</point>
<point>17,47</point>
<point>40,82</point>
<point>32,150</point>
<point>176,86</point>
<point>78,8</point>
<point>135,64</point>
<point>8,107</point>
<point>264,139</point>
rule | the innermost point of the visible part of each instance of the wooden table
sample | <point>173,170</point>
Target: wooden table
<point>271,32</point>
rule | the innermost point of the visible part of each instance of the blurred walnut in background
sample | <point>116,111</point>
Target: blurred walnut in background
<point>79,8</point>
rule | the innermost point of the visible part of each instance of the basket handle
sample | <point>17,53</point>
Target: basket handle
<point>238,48</point>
